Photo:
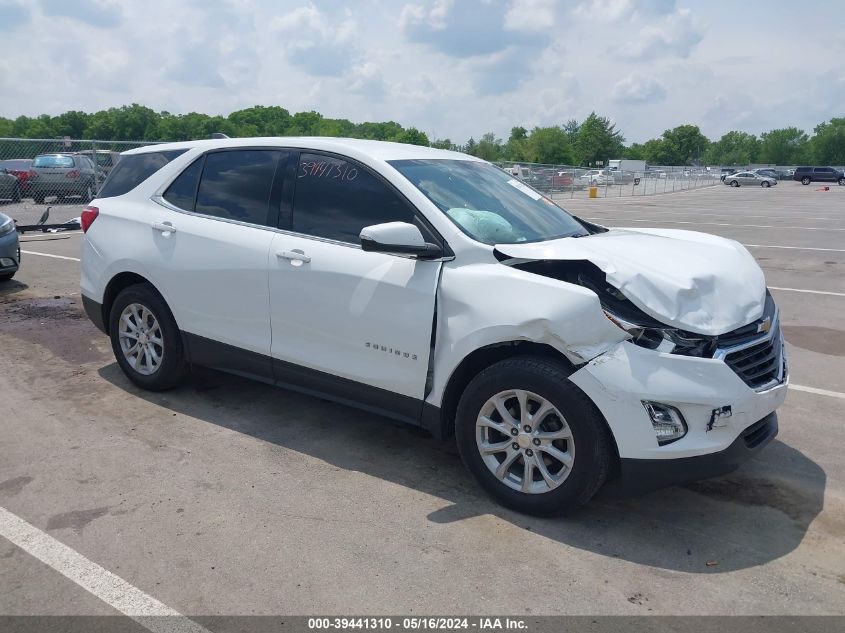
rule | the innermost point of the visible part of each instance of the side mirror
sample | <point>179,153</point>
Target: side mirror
<point>398,238</point>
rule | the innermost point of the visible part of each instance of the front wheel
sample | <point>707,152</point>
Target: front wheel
<point>6,276</point>
<point>841,182</point>
<point>766,184</point>
<point>146,340</point>
<point>734,183</point>
<point>805,180</point>
<point>16,194</point>
<point>531,438</point>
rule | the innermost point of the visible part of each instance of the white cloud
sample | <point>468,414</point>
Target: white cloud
<point>675,35</point>
<point>530,15</point>
<point>637,89</point>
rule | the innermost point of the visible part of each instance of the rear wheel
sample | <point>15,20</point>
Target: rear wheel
<point>805,180</point>
<point>16,193</point>
<point>146,340</point>
<point>841,182</point>
<point>518,425</point>
<point>734,183</point>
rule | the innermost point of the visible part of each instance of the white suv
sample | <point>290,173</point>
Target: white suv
<point>434,288</point>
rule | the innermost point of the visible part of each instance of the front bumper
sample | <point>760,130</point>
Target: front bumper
<point>10,254</point>
<point>622,378</point>
<point>638,476</point>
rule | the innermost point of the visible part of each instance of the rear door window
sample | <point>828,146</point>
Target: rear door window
<point>236,184</point>
<point>134,169</point>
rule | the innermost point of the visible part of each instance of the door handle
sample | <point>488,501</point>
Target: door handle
<point>164,227</point>
<point>295,255</point>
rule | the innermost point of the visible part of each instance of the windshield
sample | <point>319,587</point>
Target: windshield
<point>486,203</point>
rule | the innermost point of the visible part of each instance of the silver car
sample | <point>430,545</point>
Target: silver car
<point>741,178</point>
<point>62,175</point>
<point>10,250</point>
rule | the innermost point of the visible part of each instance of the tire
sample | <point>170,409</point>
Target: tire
<point>38,198</point>
<point>841,182</point>
<point>765,184</point>
<point>734,183</point>
<point>805,180</point>
<point>542,380</point>
<point>88,195</point>
<point>16,193</point>
<point>172,368</point>
<point>6,276</point>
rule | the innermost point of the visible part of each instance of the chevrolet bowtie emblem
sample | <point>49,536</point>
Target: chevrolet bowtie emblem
<point>765,325</point>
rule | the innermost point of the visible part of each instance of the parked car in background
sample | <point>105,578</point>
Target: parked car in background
<point>652,355</point>
<point>598,177</point>
<point>806,175</point>
<point>63,176</point>
<point>777,174</point>
<point>743,178</point>
<point>562,179</point>
<point>10,187</point>
<point>727,171</point>
<point>19,168</point>
<point>10,250</point>
<point>105,159</point>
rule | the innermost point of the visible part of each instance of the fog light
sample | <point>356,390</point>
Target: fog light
<point>668,423</point>
<point>6,261</point>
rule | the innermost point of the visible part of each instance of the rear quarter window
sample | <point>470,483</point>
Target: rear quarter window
<point>134,169</point>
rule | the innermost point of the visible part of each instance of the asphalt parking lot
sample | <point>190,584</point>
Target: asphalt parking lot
<point>231,497</point>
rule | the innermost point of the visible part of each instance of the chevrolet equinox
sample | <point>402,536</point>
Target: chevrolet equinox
<point>436,289</point>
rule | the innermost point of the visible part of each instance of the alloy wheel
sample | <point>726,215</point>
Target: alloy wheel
<point>141,339</point>
<point>525,441</point>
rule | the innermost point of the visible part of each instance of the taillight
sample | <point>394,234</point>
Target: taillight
<point>33,173</point>
<point>89,214</point>
<point>73,173</point>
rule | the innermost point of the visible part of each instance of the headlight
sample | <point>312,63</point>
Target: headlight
<point>662,339</point>
<point>7,227</point>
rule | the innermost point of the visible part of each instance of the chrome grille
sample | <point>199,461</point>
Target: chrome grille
<point>758,360</point>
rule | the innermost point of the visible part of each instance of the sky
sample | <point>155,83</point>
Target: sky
<point>452,68</point>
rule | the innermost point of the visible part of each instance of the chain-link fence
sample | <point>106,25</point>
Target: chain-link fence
<point>63,174</point>
<point>567,181</point>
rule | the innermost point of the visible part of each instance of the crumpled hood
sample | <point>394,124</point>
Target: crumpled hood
<point>693,281</point>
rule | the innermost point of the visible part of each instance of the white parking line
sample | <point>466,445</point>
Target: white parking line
<point>749,226</point>
<point>815,292</point>
<point>818,392</point>
<point>111,589</point>
<point>797,248</point>
<point>73,259</point>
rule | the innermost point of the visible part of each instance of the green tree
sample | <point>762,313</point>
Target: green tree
<point>734,148</point>
<point>516,147</point>
<point>550,145</point>
<point>828,145</point>
<point>682,145</point>
<point>571,127</point>
<point>412,136</point>
<point>598,140</point>
<point>635,151</point>
<point>784,146</point>
<point>488,148</point>
<point>470,147</point>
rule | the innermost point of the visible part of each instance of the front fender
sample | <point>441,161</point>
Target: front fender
<point>488,303</point>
